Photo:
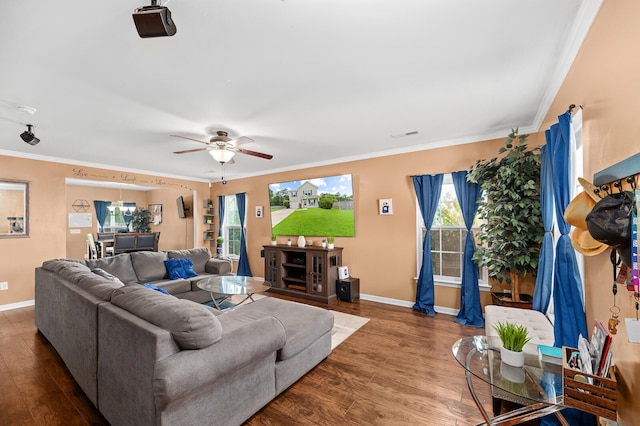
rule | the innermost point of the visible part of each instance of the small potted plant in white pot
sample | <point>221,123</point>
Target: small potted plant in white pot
<point>274,240</point>
<point>330,242</point>
<point>513,337</point>
<point>219,249</point>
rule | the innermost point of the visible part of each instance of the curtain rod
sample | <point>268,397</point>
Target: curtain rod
<point>572,107</point>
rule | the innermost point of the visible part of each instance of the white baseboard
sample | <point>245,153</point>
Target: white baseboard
<point>406,304</point>
<point>17,305</point>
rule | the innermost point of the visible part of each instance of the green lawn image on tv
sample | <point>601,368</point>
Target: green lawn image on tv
<point>317,222</point>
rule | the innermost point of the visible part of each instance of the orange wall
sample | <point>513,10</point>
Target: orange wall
<point>49,205</point>
<point>383,252</point>
<point>605,80</point>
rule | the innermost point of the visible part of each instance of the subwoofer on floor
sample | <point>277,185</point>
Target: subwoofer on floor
<point>348,289</point>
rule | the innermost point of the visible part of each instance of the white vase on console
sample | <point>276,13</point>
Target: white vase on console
<point>301,241</point>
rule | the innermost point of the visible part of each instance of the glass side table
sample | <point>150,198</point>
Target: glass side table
<point>537,386</point>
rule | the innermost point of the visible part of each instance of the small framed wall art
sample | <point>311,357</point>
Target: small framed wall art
<point>156,213</point>
<point>259,212</point>
<point>385,206</point>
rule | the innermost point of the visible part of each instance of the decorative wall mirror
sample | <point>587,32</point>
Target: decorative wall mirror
<point>14,209</point>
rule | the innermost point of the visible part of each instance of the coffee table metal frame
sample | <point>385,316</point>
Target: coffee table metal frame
<point>478,355</point>
<point>232,285</point>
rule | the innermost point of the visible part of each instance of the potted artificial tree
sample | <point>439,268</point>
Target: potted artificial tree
<point>274,240</point>
<point>140,221</point>
<point>513,337</point>
<point>512,231</point>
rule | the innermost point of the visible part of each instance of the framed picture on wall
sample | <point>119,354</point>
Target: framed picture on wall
<point>156,213</point>
<point>385,206</point>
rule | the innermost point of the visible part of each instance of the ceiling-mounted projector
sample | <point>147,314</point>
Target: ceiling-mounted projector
<point>154,21</point>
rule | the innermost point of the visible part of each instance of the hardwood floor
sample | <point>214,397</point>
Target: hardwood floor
<point>396,370</point>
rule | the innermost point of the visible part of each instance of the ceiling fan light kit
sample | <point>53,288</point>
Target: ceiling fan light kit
<point>222,155</point>
<point>222,148</point>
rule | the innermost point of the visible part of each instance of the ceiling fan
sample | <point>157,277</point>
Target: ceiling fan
<point>222,148</point>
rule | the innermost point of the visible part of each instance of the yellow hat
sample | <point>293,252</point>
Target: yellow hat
<point>584,243</point>
<point>576,214</point>
<point>578,209</point>
<point>590,189</point>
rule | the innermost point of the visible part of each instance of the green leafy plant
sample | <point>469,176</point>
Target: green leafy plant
<point>513,336</point>
<point>219,240</point>
<point>274,237</point>
<point>512,231</point>
<point>140,220</point>
<point>330,240</point>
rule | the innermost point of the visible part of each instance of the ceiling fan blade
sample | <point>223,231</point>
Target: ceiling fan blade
<point>241,140</point>
<point>192,150</point>
<point>190,139</point>
<point>254,153</point>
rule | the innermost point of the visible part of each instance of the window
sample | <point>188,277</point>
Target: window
<point>118,218</point>
<point>448,234</point>
<point>307,192</point>
<point>231,227</point>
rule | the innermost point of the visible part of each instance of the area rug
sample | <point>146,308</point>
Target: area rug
<point>344,325</point>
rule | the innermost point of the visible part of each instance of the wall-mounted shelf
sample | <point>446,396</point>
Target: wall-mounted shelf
<point>209,221</point>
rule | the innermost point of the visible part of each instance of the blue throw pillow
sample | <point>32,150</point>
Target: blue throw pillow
<point>175,269</point>
<point>156,288</point>
<point>187,265</point>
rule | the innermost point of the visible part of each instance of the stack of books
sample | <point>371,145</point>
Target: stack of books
<point>600,349</point>
<point>550,354</point>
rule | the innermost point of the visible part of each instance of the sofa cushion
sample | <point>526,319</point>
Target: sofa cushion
<point>119,265</point>
<point>149,265</point>
<point>191,325</point>
<point>303,324</point>
<point>68,270</point>
<point>99,286</point>
<point>199,256</point>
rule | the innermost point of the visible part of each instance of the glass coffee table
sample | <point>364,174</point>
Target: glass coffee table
<point>537,386</point>
<point>232,285</point>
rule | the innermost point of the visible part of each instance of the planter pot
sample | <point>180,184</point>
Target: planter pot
<point>514,359</point>
<point>274,243</point>
<point>330,246</point>
<point>504,299</point>
<point>301,241</point>
<point>513,374</point>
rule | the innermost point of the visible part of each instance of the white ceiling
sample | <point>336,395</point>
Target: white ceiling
<point>311,81</point>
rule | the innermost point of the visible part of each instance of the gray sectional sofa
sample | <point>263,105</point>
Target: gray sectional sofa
<point>147,358</point>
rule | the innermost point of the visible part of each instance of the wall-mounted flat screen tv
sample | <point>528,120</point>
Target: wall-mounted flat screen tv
<point>182,209</point>
<point>319,207</point>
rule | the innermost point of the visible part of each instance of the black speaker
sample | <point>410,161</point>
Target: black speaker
<point>348,289</point>
<point>154,21</point>
<point>29,138</point>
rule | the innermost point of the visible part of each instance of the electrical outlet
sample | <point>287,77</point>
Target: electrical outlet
<point>4,285</point>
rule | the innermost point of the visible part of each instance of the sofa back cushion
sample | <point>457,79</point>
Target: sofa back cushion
<point>119,265</point>
<point>199,257</point>
<point>69,270</point>
<point>99,285</point>
<point>149,265</point>
<point>191,325</point>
